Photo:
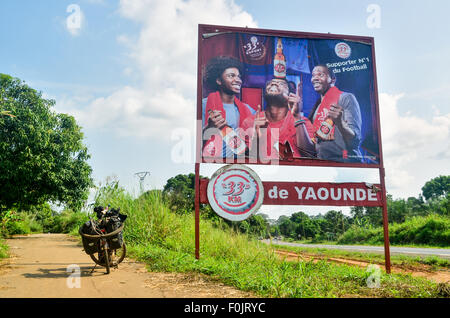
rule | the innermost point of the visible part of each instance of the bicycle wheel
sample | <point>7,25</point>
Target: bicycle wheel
<point>117,255</point>
<point>99,257</point>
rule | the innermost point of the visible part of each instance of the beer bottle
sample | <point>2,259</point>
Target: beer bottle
<point>279,61</point>
<point>232,140</point>
<point>325,129</point>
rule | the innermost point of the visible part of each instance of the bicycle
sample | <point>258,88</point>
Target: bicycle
<point>106,249</point>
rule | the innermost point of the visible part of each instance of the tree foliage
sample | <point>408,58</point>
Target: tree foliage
<point>180,193</point>
<point>42,154</point>
<point>436,188</point>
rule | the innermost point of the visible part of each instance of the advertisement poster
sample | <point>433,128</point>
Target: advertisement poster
<point>269,98</point>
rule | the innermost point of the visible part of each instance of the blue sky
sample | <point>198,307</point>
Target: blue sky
<point>130,57</point>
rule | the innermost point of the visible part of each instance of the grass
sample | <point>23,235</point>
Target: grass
<point>3,249</point>
<point>28,222</point>
<point>313,242</point>
<point>165,241</point>
<point>431,230</point>
<point>375,258</point>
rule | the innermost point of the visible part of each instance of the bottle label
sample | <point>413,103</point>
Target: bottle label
<point>234,142</point>
<point>325,130</point>
<point>280,68</point>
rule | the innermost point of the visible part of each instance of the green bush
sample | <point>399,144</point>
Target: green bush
<point>40,219</point>
<point>23,223</point>
<point>19,227</point>
<point>431,230</point>
<point>65,222</point>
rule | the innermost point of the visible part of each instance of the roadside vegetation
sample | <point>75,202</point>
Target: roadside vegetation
<point>40,219</point>
<point>165,241</point>
<point>232,253</point>
<point>423,221</point>
<point>435,262</point>
<point>3,249</point>
<point>430,230</point>
<point>43,159</point>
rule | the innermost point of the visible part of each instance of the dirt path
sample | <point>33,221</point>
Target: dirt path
<point>40,267</point>
<point>439,276</point>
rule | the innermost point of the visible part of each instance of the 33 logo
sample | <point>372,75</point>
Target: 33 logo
<point>235,189</point>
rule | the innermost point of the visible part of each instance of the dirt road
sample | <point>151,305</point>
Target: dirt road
<point>47,266</point>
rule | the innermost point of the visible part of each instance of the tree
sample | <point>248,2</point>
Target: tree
<point>286,226</point>
<point>374,214</point>
<point>42,154</point>
<point>305,226</point>
<point>180,192</point>
<point>436,188</point>
<point>397,210</point>
<point>255,225</point>
<point>258,226</point>
<point>417,206</point>
<point>337,222</point>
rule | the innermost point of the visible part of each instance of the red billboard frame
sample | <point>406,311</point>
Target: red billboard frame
<point>205,30</point>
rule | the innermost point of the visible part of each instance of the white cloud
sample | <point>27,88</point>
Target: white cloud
<point>96,2</point>
<point>409,141</point>
<point>165,56</point>
<point>130,112</point>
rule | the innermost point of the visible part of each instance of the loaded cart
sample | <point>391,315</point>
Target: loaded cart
<point>103,238</point>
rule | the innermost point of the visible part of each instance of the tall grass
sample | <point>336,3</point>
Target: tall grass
<point>426,230</point>
<point>165,241</point>
<point>39,221</point>
<point>3,249</point>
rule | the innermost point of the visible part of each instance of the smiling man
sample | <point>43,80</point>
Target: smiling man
<point>336,119</point>
<point>222,108</point>
<point>280,129</point>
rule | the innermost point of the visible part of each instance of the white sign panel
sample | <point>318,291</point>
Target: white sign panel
<point>235,192</point>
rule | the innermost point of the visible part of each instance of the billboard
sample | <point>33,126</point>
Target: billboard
<point>292,193</point>
<point>279,97</point>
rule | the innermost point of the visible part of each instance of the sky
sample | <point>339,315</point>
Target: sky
<point>127,71</point>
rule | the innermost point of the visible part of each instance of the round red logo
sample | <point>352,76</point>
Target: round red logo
<point>255,49</point>
<point>280,68</point>
<point>324,129</point>
<point>343,50</point>
<point>235,192</point>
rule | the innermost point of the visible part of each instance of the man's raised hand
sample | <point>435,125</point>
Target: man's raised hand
<point>260,121</point>
<point>295,104</point>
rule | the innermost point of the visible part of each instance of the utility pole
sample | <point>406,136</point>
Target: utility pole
<point>142,176</point>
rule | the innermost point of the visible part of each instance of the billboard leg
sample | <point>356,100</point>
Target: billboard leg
<point>197,210</point>
<point>387,254</point>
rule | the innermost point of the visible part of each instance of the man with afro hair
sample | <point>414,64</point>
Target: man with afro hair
<point>222,108</point>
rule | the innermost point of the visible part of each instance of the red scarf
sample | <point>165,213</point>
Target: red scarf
<point>286,133</point>
<point>331,97</point>
<point>214,102</point>
<point>213,147</point>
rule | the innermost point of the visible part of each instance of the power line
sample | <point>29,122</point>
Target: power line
<point>142,176</point>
